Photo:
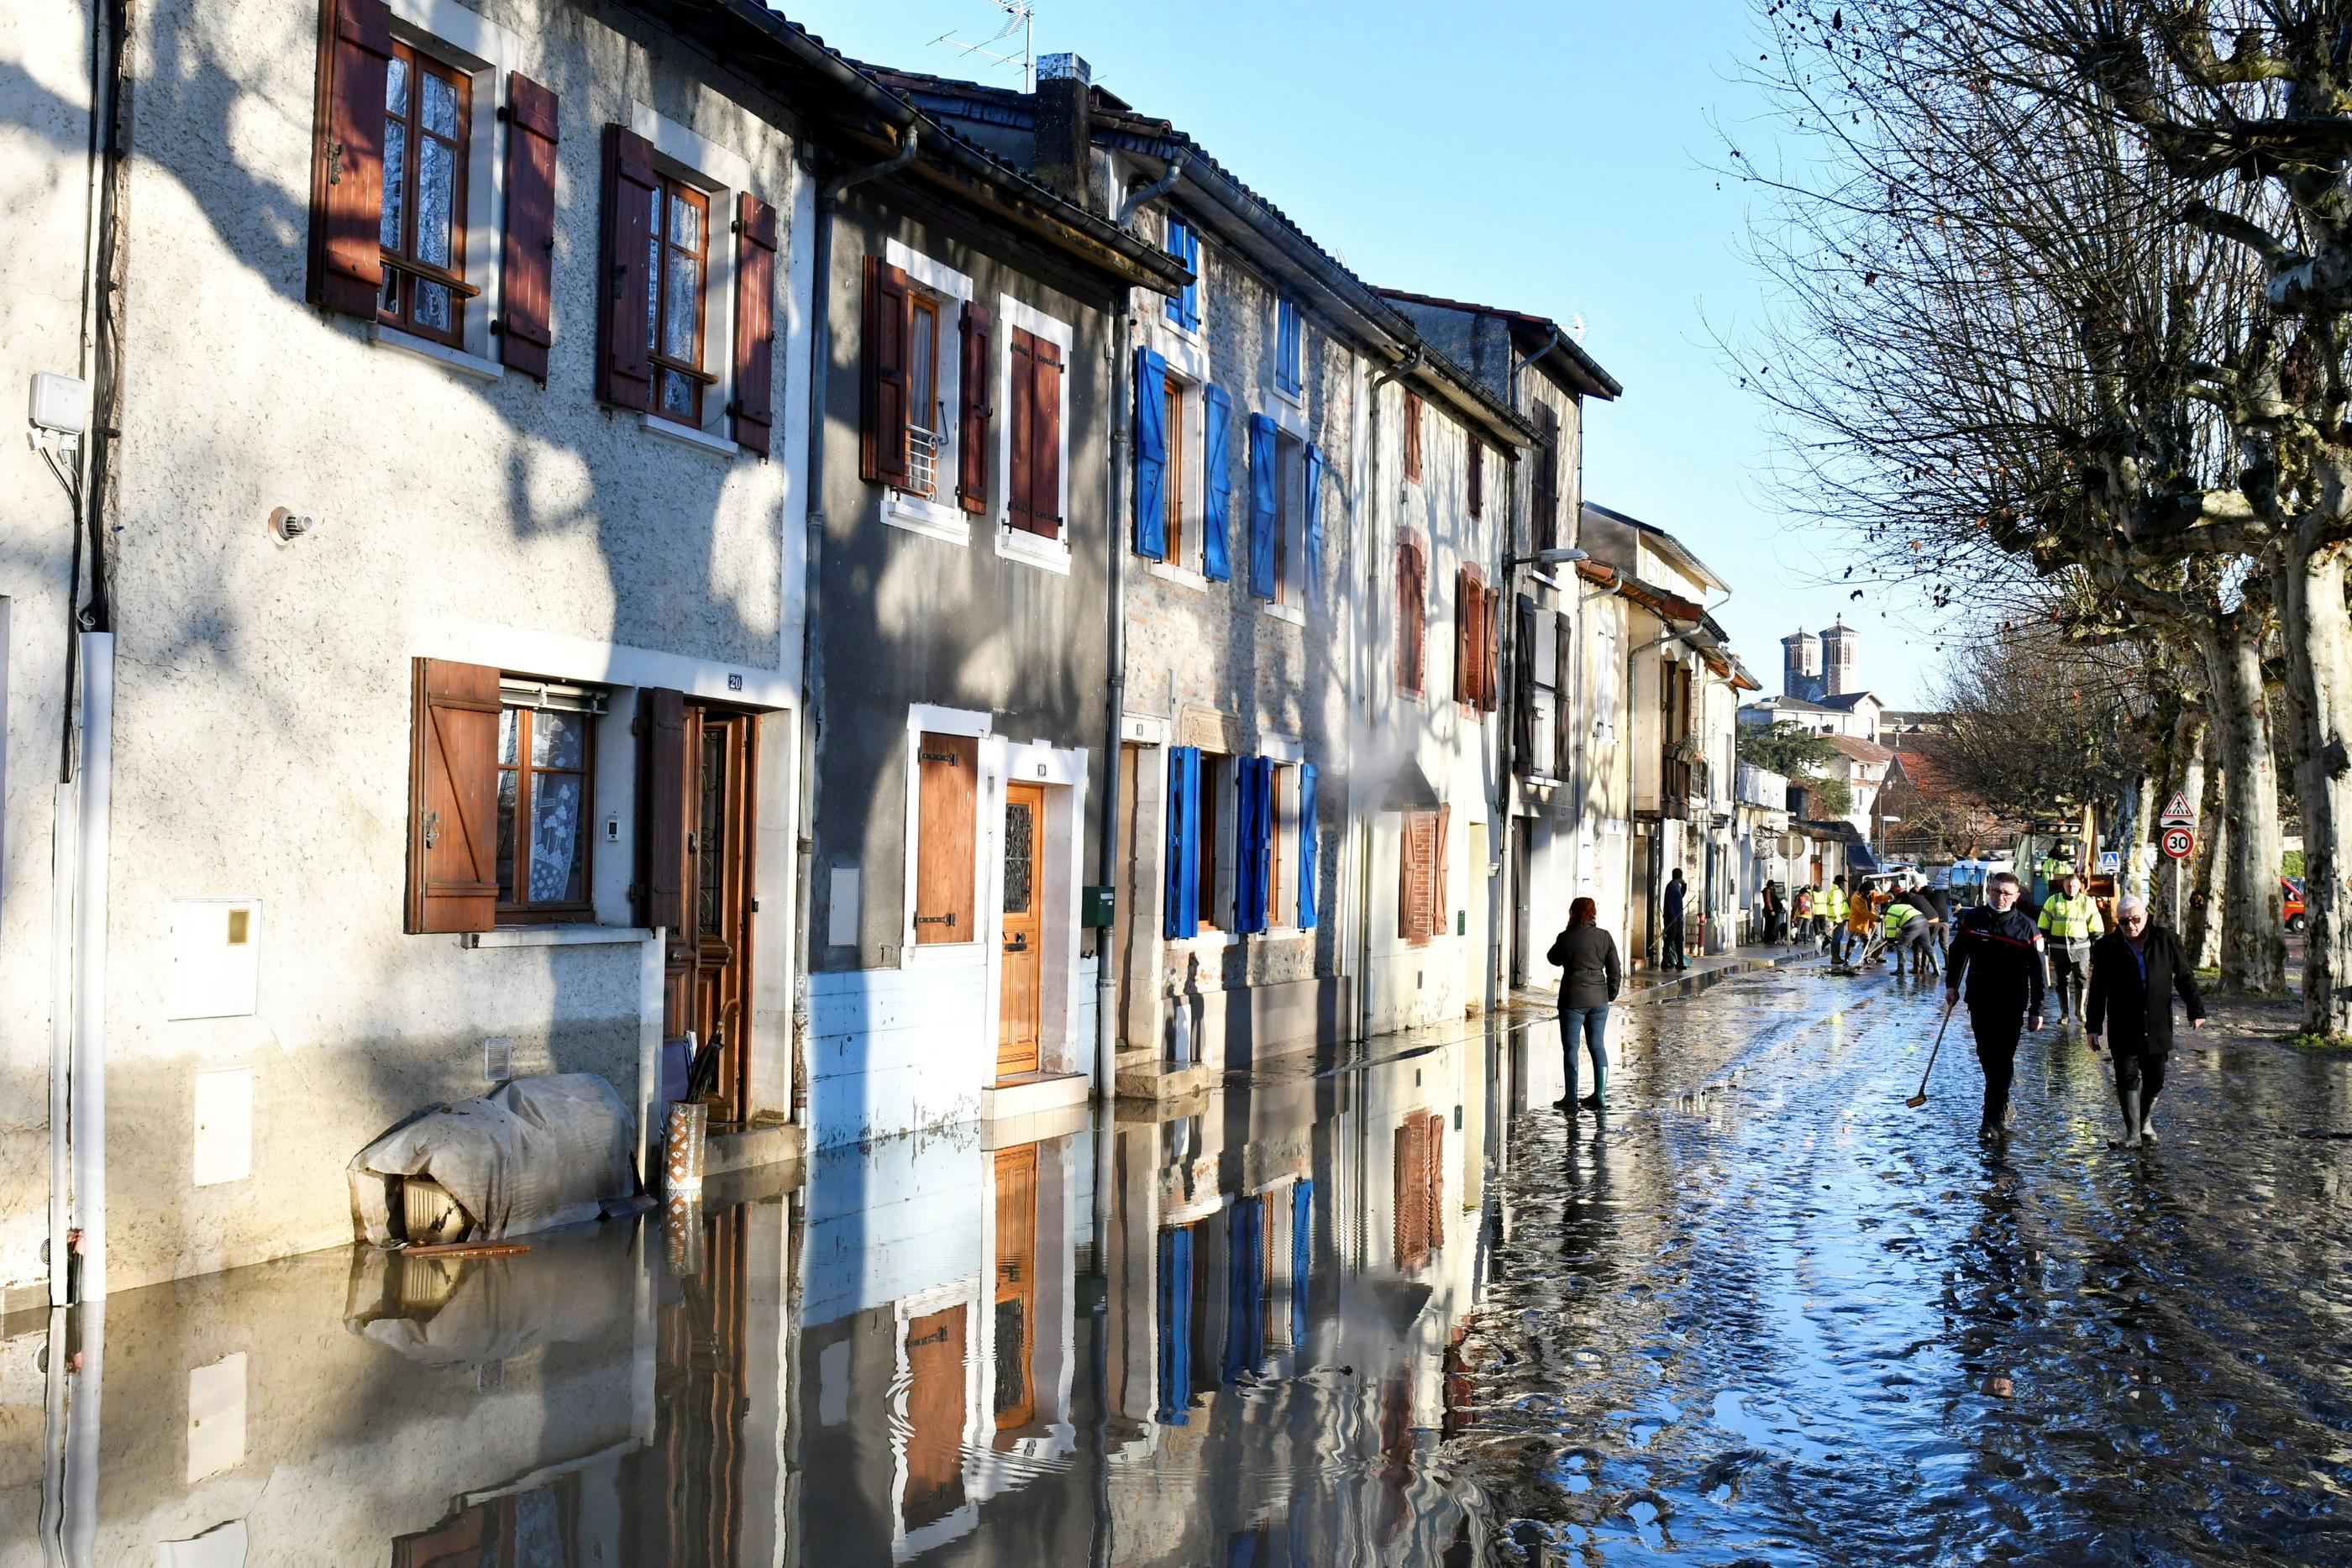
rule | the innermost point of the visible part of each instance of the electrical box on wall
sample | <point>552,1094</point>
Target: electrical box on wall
<point>215,959</point>
<point>1098,908</point>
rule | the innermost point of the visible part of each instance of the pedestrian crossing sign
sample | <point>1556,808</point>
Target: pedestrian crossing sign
<point>2178,810</point>
<point>2111,861</point>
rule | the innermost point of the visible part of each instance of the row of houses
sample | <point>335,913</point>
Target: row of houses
<point>624,524</point>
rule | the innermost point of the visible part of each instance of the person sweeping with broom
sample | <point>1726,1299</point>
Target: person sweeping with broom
<point>2135,969</point>
<point>1997,952</point>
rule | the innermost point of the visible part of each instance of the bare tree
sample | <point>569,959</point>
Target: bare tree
<point>2000,350</point>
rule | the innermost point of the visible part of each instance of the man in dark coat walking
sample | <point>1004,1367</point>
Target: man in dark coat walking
<point>2136,971</point>
<point>1997,951</point>
<point>1673,912</point>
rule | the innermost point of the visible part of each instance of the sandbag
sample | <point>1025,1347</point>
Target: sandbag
<point>536,1154</point>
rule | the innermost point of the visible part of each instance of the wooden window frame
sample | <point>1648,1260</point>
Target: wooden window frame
<point>403,270</point>
<point>1476,478</point>
<point>699,381</point>
<point>1183,307</point>
<point>1180,394</point>
<point>1282,782</point>
<point>924,308</point>
<point>1412,423</point>
<point>524,911</point>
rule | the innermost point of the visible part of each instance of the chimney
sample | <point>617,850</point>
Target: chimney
<point>1064,128</point>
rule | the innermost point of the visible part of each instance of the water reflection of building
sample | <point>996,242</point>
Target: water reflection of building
<point>1217,1336</point>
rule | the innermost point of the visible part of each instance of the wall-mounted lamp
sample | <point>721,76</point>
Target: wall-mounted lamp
<point>1565,554</point>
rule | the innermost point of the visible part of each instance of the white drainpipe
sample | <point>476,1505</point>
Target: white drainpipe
<point>89,1112</point>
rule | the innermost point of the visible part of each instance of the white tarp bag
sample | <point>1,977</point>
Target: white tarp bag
<point>536,1154</point>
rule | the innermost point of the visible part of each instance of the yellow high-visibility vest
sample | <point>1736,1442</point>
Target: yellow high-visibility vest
<point>2072,919</point>
<point>1834,904</point>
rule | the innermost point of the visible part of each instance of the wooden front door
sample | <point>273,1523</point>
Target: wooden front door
<point>698,828</point>
<point>1016,1289</point>
<point>1022,971</point>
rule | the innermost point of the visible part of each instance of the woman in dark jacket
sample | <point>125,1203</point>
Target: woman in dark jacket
<point>2135,969</point>
<point>1590,976</point>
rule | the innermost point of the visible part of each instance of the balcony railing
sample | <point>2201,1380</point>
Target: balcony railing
<point>923,459</point>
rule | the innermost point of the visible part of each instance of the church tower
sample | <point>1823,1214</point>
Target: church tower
<point>1837,657</point>
<point>1800,666</point>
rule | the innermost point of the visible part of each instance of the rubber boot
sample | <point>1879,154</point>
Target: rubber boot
<point>2148,1121</point>
<point>2130,1099</point>
<point>1600,1088</point>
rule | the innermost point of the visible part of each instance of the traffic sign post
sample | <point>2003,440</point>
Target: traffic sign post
<point>2179,842</point>
<point>2178,811</point>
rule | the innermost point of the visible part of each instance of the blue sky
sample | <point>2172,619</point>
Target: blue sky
<point>1546,158</point>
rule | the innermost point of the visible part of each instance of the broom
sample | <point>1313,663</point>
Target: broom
<point>1921,1098</point>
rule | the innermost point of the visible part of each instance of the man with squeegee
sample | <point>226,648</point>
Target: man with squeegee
<point>1998,951</point>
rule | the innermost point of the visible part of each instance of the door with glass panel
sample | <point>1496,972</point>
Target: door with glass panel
<point>1021,967</point>
<point>698,828</point>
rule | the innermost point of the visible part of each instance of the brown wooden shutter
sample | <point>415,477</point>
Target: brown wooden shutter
<point>1477,478</point>
<point>977,399</point>
<point>1490,618</point>
<point>1045,437</point>
<point>946,789</point>
<point>755,321</point>
<point>1433,1155</point>
<point>625,371</point>
<point>347,157</point>
<point>1409,1183</point>
<point>1412,590</point>
<point>1021,481</point>
<point>1412,436</point>
<point>1546,521</point>
<point>527,259</point>
<point>1420,867</point>
<point>1564,698</point>
<point>1441,907</point>
<point>453,797</point>
<point>1468,643</point>
<point>882,375</point>
<point>662,766</point>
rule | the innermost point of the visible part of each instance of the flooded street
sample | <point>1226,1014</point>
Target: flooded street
<point>1384,1312</point>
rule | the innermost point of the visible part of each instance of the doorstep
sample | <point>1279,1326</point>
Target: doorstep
<point>1144,1075</point>
<point>748,1149</point>
<point>1028,1094</point>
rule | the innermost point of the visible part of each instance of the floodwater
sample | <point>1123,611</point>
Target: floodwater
<point>1394,1310</point>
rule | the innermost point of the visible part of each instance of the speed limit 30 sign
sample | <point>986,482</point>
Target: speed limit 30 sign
<point>2179,842</point>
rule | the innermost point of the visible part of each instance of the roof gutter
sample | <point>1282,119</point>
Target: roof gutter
<point>1157,188</point>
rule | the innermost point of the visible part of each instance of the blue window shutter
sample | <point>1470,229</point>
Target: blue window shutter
<point>1263,520</point>
<point>1244,1287</point>
<point>1151,453</point>
<point>1306,835</point>
<point>1302,1255</point>
<point>1184,308</point>
<point>1314,517</point>
<point>1289,368</point>
<point>1175,1327</point>
<point>1217,475</point>
<point>1252,838</point>
<point>1181,917</point>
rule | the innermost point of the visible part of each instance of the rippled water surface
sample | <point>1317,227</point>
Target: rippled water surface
<point>1368,1308</point>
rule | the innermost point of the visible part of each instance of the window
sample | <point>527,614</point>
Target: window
<point>1413,630</point>
<point>1185,245</point>
<point>1034,500</point>
<point>1421,876</point>
<point>1281,843</point>
<point>1564,728</point>
<point>1413,437</point>
<point>926,421</point>
<point>1477,478</point>
<point>1214,886</point>
<point>1173,480</point>
<point>1288,548</point>
<point>947,771</point>
<point>427,110</point>
<point>677,258</point>
<point>1289,349</point>
<point>546,767</point>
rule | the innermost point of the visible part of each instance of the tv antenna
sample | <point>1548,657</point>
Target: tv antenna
<point>1018,14</point>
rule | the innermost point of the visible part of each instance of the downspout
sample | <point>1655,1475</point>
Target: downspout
<point>812,646</point>
<point>1157,188</point>
<point>1402,368</point>
<point>1114,759</point>
<point>87,1122</point>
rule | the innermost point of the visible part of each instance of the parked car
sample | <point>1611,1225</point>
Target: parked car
<point>2291,895</point>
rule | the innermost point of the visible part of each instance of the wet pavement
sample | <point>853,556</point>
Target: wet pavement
<point>1385,1312</point>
